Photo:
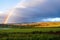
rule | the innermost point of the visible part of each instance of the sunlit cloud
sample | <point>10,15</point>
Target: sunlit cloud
<point>51,20</point>
<point>20,4</point>
<point>1,12</point>
<point>29,3</point>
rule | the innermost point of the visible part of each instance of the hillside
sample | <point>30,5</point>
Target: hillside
<point>49,24</point>
<point>38,24</point>
<point>41,24</point>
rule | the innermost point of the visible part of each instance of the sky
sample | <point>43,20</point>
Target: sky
<point>20,11</point>
<point>7,4</point>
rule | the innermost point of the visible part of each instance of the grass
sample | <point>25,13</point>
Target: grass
<point>27,33</point>
<point>29,29</point>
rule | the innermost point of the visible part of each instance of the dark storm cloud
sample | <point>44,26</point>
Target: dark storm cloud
<point>36,10</point>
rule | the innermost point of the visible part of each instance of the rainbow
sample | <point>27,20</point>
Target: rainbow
<point>20,5</point>
<point>8,16</point>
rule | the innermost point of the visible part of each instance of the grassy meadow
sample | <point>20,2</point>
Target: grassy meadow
<point>29,32</point>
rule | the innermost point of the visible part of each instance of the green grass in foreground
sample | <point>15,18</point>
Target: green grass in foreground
<point>28,29</point>
<point>27,34</point>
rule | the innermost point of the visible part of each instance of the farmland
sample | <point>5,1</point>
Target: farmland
<point>29,32</point>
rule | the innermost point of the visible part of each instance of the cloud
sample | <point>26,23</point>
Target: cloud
<point>29,3</point>
<point>51,20</point>
<point>2,16</point>
<point>1,12</point>
<point>35,11</point>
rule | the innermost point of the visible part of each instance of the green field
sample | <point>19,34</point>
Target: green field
<point>28,29</point>
<point>29,33</point>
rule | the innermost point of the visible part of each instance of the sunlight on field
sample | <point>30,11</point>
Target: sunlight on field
<point>41,24</point>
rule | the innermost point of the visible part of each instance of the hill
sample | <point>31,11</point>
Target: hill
<point>37,24</point>
<point>41,24</point>
<point>49,24</point>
